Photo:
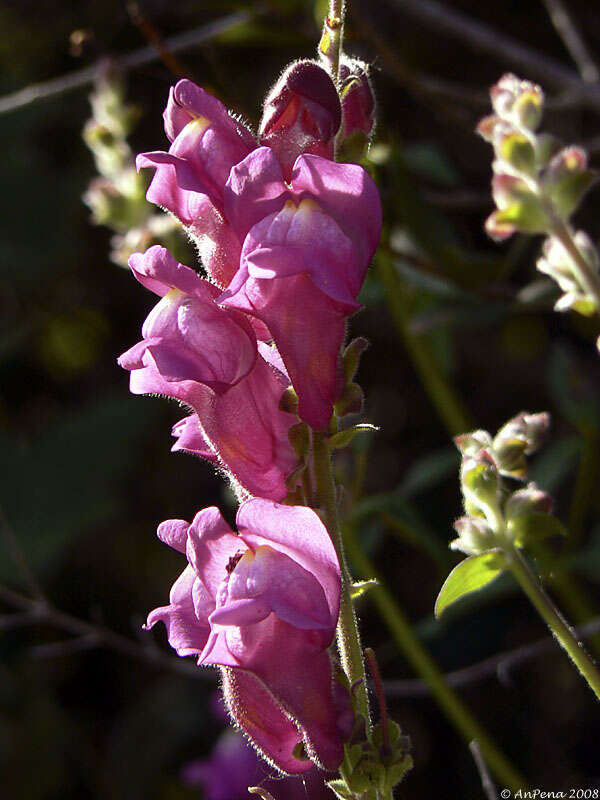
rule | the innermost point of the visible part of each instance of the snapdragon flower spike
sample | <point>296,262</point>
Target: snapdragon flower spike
<point>263,605</point>
<point>307,246</point>
<point>189,180</point>
<point>206,357</point>
<point>301,114</point>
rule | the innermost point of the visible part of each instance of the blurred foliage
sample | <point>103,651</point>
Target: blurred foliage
<point>87,472</point>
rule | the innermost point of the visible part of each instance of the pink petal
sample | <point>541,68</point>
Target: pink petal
<point>254,189</point>
<point>173,532</point>
<point>298,532</point>
<point>262,719</point>
<point>210,546</point>
<point>187,635</point>
<point>309,344</point>
<point>191,439</point>
<point>348,194</point>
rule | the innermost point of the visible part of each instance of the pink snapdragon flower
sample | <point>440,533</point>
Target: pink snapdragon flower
<point>307,246</point>
<point>290,245</point>
<point>190,179</point>
<point>263,605</point>
<point>206,357</point>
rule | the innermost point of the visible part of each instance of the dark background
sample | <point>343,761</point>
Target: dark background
<point>86,469</point>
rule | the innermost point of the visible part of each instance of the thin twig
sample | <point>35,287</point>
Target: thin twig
<point>500,665</point>
<point>152,36</point>
<point>483,38</point>
<point>89,635</point>
<point>145,55</point>
<point>572,39</point>
<point>486,779</point>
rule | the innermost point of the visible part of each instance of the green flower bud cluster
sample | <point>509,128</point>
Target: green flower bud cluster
<point>371,768</point>
<point>494,512</point>
<point>537,186</point>
<point>117,196</point>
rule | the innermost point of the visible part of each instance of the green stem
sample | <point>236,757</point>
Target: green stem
<point>448,406</point>
<point>585,274</point>
<point>348,637</point>
<point>335,27</point>
<point>552,617</point>
<point>417,655</point>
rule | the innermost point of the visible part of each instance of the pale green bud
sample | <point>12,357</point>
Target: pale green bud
<point>475,536</point>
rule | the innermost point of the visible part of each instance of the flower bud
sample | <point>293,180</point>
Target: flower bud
<point>530,500</point>
<point>517,101</point>
<point>358,100</point>
<point>530,429</point>
<point>515,149</point>
<point>301,114</point>
<point>519,209</point>
<point>352,356</point>
<point>471,443</point>
<point>480,480</point>
<point>567,179</point>
<point>475,536</point>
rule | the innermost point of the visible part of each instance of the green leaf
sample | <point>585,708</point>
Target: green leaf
<point>339,789</point>
<point>262,792</point>
<point>343,438</point>
<point>534,527</point>
<point>470,575</point>
<point>361,587</point>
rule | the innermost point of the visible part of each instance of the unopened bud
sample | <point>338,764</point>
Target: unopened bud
<point>358,99</point>
<point>530,500</point>
<point>480,480</point>
<point>475,536</point>
<point>519,102</point>
<point>515,149</point>
<point>529,429</point>
<point>350,401</point>
<point>567,179</point>
<point>528,106</point>
<point>352,356</point>
<point>519,208</point>
<point>471,443</point>
<point>302,114</point>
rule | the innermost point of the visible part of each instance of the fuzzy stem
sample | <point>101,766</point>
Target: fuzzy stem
<point>347,631</point>
<point>417,655</point>
<point>335,26</point>
<point>585,274</point>
<point>553,618</point>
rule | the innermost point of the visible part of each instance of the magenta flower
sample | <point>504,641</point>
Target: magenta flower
<point>307,246</point>
<point>290,244</point>
<point>190,178</point>
<point>263,605</point>
<point>207,357</point>
<point>301,114</point>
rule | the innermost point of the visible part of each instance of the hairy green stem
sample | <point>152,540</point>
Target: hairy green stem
<point>586,275</point>
<point>553,618</point>
<point>348,636</point>
<point>419,658</point>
